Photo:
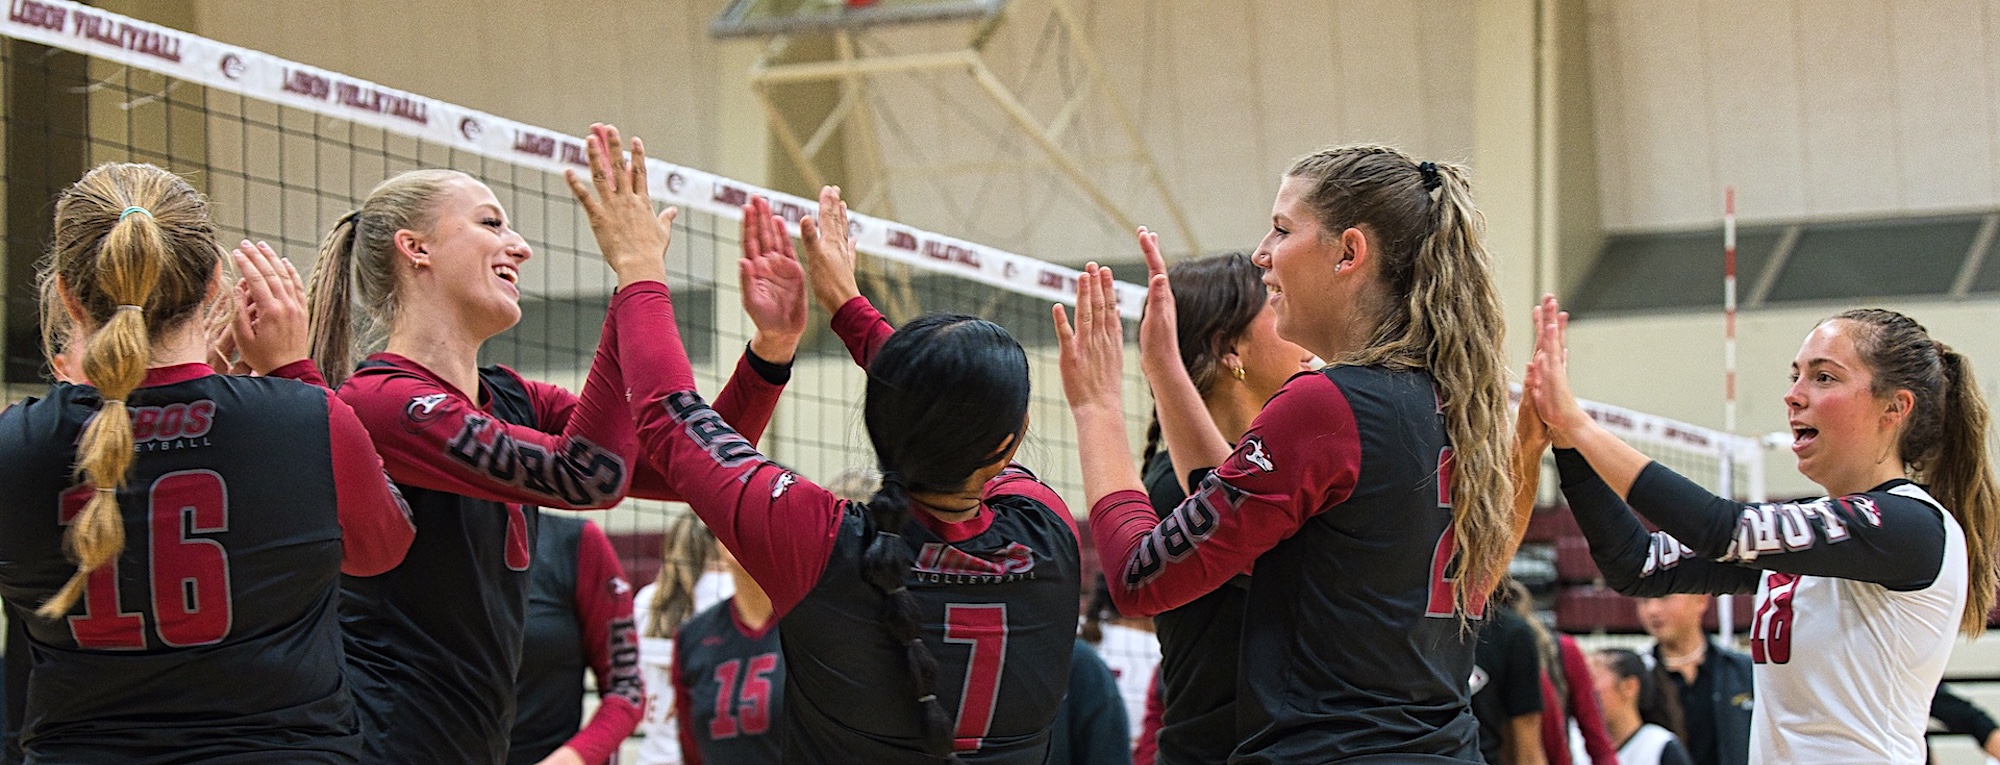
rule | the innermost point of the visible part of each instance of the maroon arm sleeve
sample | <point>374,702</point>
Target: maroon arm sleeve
<point>1583,704</point>
<point>433,437</point>
<point>683,701</point>
<point>610,646</point>
<point>746,402</point>
<point>862,328</point>
<point>1300,457</point>
<point>375,527</point>
<point>780,526</point>
<point>1555,734</point>
<point>303,370</point>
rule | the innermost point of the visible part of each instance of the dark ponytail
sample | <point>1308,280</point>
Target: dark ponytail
<point>1656,706</point>
<point>947,396</point>
<point>1215,300</point>
<point>883,564</point>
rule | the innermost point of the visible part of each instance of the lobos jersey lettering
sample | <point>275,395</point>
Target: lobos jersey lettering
<point>422,671</point>
<point>1863,658</point>
<point>217,624</point>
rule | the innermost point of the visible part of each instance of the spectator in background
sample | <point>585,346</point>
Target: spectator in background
<point>685,586</point>
<point>1126,645</point>
<point>1090,726</point>
<point>1507,685</point>
<point>1574,734</point>
<point>1711,682</point>
<point>1641,716</point>
<point>1960,715</point>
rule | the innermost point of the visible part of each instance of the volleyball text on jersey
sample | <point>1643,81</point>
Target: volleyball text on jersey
<point>581,474</point>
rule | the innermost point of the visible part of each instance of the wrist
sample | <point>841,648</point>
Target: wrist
<point>633,274</point>
<point>836,296</point>
<point>773,347</point>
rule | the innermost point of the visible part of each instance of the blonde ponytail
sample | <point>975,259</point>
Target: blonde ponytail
<point>134,245</point>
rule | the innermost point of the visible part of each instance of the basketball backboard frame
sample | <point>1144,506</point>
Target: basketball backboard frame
<point>750,18</point>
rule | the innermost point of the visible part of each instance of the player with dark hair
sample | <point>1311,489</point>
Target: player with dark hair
<point>729,679</point>
<point>579,616</point>
<point>1642,718</point>
<point>1372,496</point>
<point>433,646</point>
<point>1229,346</point>
<point>183,532</point>
<point>933,622</point>
<point>1859,592</point>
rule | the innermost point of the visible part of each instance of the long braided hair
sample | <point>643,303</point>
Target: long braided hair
<point>947,396</point>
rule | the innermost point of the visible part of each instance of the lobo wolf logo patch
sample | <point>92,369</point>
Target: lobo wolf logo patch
<point>1253,453</point>
<point>422,410</point>
<point>783,483</point>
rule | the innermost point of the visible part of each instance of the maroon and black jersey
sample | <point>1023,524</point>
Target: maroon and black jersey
<point>1340,494</point>
<point>997,594</point>
<point>728,689</point>
<point>1199,642</point>
<point>579,618</point>
<point>434,645</point>
<point>214,636</point>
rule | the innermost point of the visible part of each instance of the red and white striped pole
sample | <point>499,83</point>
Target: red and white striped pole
<point>1729,312</point>
<point>1725,605</point>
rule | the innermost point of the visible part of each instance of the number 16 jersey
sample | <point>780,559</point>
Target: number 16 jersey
<point>213,637</point>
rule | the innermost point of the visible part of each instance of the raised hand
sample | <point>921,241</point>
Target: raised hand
<point>271,328</point>
<point>1159,338</point>
<point>1092,353</point>
<point>829,253</point>
<point>773,284</point>
<point>632,238</point>
<point>1547,383</point>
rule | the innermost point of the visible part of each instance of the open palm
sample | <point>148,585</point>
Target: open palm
<point>774,284</point>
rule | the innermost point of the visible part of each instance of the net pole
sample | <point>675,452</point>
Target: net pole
<point>1725,610</point>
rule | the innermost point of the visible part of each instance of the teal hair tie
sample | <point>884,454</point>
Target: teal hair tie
<point>135,209</point>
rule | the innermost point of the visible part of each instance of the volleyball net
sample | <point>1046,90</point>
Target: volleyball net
<point>283,149</point>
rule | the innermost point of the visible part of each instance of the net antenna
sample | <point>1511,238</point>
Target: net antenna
<point>860,30</point>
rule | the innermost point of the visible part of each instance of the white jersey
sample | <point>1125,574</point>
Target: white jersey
<point>661,744</point>
<point>1131,654</point>
<point>1858,687</point>
<point>1645,746</point>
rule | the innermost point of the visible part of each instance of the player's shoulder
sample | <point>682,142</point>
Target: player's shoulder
<point>707,621</point>
<point>28,425</point>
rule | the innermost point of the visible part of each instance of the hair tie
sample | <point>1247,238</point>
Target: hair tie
<point>900,590</point>
<point>130,307</point>
<point>1429,170</point>
<point>135,209</point>
<point>110,401</point>
<point>348,218</point>
<point>927,698</point>
<point>113,490</point>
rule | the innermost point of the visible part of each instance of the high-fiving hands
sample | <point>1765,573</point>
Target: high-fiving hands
<point>773,283</point>
<point>1092,352</point>
<point>271,328</point>
<point>632,237</point>
<point>1546,386</point>
<point>829,252</point>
